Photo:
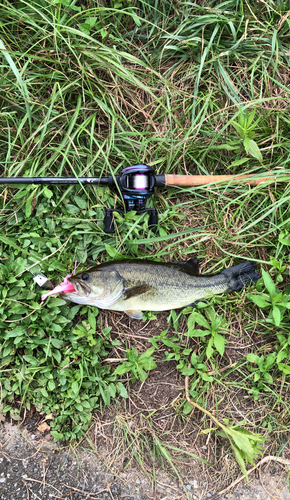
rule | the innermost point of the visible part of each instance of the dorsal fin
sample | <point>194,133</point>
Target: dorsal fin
<point>190,266</point>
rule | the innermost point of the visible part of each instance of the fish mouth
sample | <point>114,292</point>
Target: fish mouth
<point>77,284</point>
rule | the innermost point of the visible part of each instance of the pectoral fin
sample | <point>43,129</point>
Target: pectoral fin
<point>134,314</point>
<point>134,291</point>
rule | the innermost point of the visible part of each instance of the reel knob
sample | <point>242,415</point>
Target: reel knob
<point>153,220</point>
<point>108,220</point>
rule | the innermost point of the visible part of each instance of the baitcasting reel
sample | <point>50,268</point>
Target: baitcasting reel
<point>136,184</point>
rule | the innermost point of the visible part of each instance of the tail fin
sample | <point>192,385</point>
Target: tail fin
<point>243,274</point>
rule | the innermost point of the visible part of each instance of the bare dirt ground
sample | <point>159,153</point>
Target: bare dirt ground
<point>32,467</point>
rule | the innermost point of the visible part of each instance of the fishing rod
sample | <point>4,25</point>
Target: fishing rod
<point>137,184</point>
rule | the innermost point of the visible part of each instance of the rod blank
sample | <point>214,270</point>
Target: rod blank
<point>53,180</point>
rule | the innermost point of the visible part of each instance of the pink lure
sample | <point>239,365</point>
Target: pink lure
<point>63,287</point>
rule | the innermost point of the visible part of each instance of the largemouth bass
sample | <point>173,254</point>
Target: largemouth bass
<point>137,285</point>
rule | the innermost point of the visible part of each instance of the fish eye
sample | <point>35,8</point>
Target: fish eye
<point>85,277</point>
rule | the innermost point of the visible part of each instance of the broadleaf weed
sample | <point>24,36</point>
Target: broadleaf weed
<point>212,327</point>
<point>138,365</point>
<point>276,301</point>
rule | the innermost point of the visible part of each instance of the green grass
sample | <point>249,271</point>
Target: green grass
<point>88,88</point>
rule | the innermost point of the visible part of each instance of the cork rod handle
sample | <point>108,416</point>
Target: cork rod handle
<point>201,180</point>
